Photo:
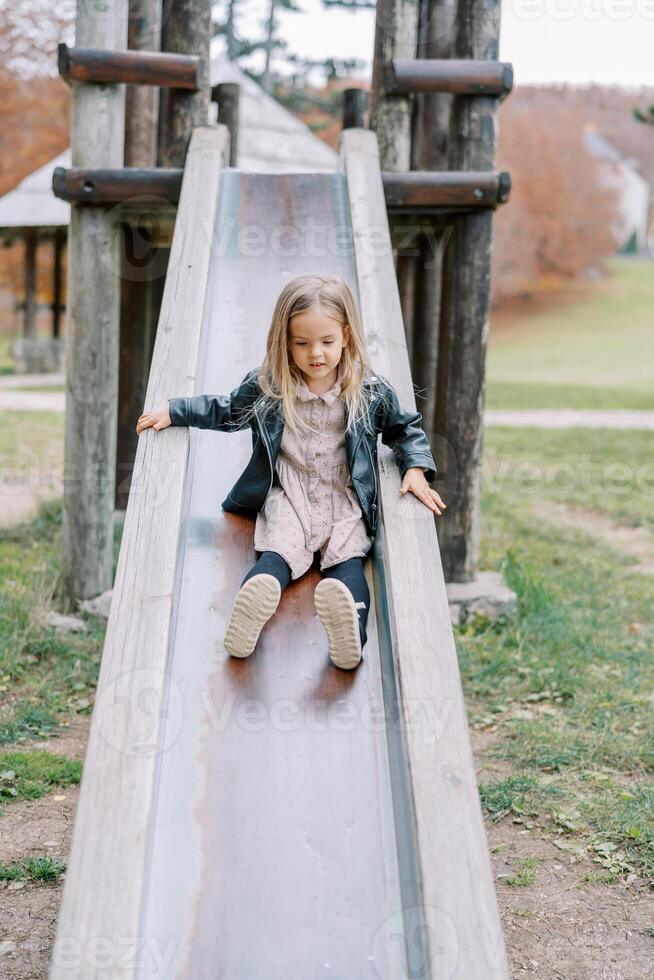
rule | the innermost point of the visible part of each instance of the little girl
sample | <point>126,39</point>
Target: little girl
<point>316,409</point>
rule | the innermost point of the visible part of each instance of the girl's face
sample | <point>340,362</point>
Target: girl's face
<point>316,341</point>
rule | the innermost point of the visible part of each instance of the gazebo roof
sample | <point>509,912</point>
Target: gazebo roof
<point>270,139</point>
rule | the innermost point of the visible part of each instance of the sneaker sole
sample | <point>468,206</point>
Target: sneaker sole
<point>255,603</point>
<point>335,607</point>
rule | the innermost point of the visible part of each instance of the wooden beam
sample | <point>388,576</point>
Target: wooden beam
<point>454,929</point>
<point>107,867</point>
<point>136,67</point>
<point>457,75</point>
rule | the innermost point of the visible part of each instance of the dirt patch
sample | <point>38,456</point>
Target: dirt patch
<point>636,542</point>
<point>37,828</point>
<point>561,927</point>
<point>564,927</point>
<point>28,910</point>
<point>28,924</point>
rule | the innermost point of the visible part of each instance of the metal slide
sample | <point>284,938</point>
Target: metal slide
<point>272,818</point>
<point>273,850</point>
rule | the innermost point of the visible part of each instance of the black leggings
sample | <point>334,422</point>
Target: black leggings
<point>350,572</point>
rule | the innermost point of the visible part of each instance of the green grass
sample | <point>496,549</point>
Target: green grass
<point>47,388</point>
<point>30,775</point>
<point>525,872</point>
<point>606,470</point>
<point>33,869</point>
<point>31,447</point>
<point>598,353</point>
<point>6,361</point>
<point>567,684</point>
<point>45,675</point>
<point>517,395</point>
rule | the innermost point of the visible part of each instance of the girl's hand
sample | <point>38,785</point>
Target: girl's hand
<point>414,480</point>
<point>155,420</point>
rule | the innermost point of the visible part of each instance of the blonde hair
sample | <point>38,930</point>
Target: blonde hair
<point>279,376</point>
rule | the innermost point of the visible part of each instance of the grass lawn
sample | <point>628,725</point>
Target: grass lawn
<point>606,470</point>
<point>6,361</point>
<point>46,676</point>
<point>598,353</point>
<point>566,688</point>
<point>50,389</point>
<point>31,447</point>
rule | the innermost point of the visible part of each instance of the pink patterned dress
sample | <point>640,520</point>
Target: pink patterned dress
<point>312,505</point>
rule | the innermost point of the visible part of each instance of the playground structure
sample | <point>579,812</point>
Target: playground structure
<point>232,837</point>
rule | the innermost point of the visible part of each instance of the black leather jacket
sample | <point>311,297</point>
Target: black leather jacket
<point>399,429</point>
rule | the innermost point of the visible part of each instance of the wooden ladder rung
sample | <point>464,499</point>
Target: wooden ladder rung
<point>136,67</point>
<point>458,76</point>
<point>145,185</point>
<point>445,190</point>
<point>413,191</point>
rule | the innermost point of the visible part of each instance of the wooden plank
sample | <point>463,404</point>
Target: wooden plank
<point>459,906</point>
<point>457,75</point>
<point>103,890</point>
<point>162,69</point>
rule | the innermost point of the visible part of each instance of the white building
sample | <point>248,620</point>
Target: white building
<point>631,226</point>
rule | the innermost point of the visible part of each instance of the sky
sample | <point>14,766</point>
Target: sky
<point>580,41</point>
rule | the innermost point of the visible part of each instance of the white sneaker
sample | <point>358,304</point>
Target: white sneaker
<point>254,604</point>
<point>337,611</point>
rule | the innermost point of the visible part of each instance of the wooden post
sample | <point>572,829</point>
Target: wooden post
<point>429,144</point>
<point>227,95</point>
<point>138,318</point>
<point>396,33</point>
<point>355,108</point>
<point>57,246</point>
<point>186,29</point>
<point>29,322</point>
<point>98,136</point>
<point>464,315</point>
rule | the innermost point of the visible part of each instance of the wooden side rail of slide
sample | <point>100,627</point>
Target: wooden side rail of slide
<point>456,930</point>
<point>98,929</point>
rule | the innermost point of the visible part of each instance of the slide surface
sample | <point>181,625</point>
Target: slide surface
<point>273,847</point>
